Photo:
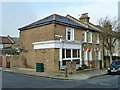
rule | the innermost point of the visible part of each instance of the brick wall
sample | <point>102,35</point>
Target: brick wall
<point>50,57</point>
<point>61,30</point>
<point>15,61</point>
<point>27,37</point>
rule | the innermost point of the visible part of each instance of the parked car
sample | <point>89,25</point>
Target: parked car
<point>114,67</point>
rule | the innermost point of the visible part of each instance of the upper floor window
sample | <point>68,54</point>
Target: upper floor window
<point>1,46</point>
<point>84,36</point>
<point>97,39</point>
<point>69,33</point>
<point>89,37</point>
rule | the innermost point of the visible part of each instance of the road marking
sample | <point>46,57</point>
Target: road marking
<point>92,82</point>
<point>105,84</point>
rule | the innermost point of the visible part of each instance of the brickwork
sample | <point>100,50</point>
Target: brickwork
<point>49,57</point>
<point>14,61</point>
<point>27,37</point>
<point>71,67</point>
<point>61,30</point>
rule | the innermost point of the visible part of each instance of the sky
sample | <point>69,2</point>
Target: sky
<point>18,14</point>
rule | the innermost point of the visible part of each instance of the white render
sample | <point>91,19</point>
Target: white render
<point>61,44</point>
<point>57,44</point>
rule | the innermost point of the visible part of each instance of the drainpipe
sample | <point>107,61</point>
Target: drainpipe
<point>62,42</point>
<point>81,51</point>
<point>103,54</point>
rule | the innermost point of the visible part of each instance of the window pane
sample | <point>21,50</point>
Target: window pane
<point>77,61</point>
<point>74,53</point>
<point>68,53</point>
<point>97,38</point>
<point>78,53</point>
<point>68,37</point>
<point>64,62</point>
<point>63,53</point>
<point>89,37</point>
<point>69,34</point>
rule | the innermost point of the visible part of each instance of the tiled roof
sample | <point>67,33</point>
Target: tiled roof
<point>56,19</point>
<point>5,40</point>
<point>9,40</point>
<point>15,40</point>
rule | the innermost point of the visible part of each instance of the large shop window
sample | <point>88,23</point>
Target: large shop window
<point>75,53</point>
<point>64,62</point>
<point>68,53</point>
<point>69,33</point>
<point>77,61</point>
<point>71,54</point>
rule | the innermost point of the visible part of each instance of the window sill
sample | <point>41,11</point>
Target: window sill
<point>90,42</point>
<point>84,41</point>
<point>70,40</point>
<point>97,43</point>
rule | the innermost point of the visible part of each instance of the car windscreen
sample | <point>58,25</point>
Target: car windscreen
<point>115,63</point>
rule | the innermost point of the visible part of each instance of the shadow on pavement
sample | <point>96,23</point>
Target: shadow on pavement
<point>115,73</point>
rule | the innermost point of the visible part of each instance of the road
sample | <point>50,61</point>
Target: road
<point>12,80</point>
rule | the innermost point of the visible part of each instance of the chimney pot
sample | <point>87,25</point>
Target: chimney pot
<point>84,17</point>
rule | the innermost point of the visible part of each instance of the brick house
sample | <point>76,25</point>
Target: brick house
<point>8,45</point>
<point>56,39</point>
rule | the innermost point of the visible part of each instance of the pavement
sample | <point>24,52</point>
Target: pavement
<point>61,76</point>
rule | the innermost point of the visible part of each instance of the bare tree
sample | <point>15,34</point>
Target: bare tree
<point>110,33</point>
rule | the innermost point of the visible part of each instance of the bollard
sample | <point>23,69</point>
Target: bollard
<point>90,67</point>
<point>66,73</point>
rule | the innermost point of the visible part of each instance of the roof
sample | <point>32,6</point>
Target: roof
<point>9,40</point>
<point>86,24</point>
<point>56,19</point>
<point>15,40</point>
<point>5,40</point>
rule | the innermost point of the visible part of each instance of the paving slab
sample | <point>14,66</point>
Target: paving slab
<point>61,76</point>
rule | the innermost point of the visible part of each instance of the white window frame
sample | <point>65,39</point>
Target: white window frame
<point>71,58</point>
<point>99,55</point>
<point>90,33</point>
<point>90,55</point>
<point>97,39</point>
<point>85,36</point>
<point>71,33</point>
<point>85,57</point>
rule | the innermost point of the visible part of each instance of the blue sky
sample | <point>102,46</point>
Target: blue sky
<point>18,14</point>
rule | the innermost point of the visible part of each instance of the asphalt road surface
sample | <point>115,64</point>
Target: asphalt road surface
<point>12,80</point>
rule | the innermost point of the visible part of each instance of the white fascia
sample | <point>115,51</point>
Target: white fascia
<point>58,44</point>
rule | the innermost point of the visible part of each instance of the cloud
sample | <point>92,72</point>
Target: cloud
<point>95,10</point>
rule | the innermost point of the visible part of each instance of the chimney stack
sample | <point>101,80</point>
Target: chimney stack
<point>107,25</point>
<point>84,17</point>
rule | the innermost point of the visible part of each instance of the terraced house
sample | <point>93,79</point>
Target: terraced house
<point>56,39</point>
